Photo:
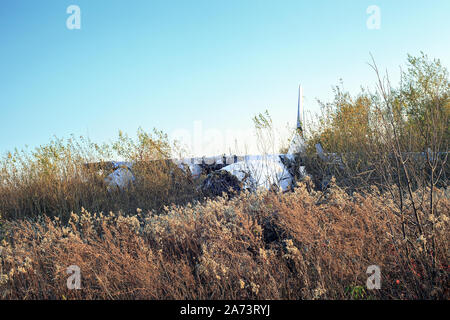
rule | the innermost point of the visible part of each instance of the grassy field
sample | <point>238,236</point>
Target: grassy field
<point>253,246</point>
<point>161,238</point>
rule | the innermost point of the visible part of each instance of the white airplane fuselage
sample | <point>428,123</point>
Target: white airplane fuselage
<point>258,171</point>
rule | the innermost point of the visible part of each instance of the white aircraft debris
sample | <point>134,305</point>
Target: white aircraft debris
<point>260,171</point>
<point>121,177</point>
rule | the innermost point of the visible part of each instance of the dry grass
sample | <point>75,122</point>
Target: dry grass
<point>252,246</point>
<point>53,179</point>
<point>297,245</point>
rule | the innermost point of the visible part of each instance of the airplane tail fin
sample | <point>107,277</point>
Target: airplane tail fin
<point>297,143</point>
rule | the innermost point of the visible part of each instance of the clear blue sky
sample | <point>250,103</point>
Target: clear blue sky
<point>168,63</point>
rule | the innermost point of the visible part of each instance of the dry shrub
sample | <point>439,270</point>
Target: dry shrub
<point>67,175</point>
<point>298,245</point>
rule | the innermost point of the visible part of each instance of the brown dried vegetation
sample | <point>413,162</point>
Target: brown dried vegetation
<point>252,246</point>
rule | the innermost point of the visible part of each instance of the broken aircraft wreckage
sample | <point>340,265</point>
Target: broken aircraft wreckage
<point>249,172</point>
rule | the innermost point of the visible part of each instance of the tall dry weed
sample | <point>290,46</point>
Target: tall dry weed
<point>252,246</point>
